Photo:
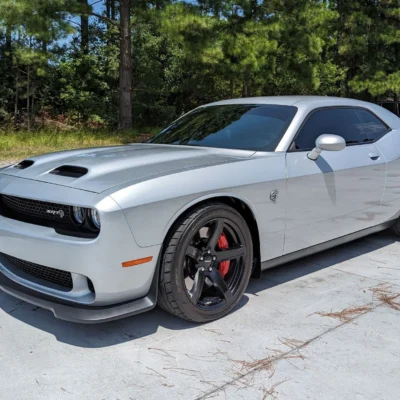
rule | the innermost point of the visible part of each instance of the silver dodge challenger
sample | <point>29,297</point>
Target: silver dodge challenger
<point>184,220</point>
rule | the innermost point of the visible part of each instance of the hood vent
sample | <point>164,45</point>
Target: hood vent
<point>70,171</point>
<point>24,164</point>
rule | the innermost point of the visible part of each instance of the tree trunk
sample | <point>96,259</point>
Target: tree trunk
<point>108,9</point>
<point>246,83</point>
<point>125,68</point>
<point>397,61</point>
<point>9,75</point>
<point>84,29</point>
<point>112,7</point>
<point>33,105</point>
<point>16,97</point>
<point>28,93</point>
<point>8,46</point>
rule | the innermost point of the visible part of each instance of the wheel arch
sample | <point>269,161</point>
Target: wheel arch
<point>242,206</point>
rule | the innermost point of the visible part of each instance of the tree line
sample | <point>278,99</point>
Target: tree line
<point>124,63</point>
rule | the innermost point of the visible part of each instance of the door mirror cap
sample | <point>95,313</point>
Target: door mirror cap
<point>326,142</point>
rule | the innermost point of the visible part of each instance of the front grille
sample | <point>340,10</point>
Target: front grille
<point>61,278</point>
<point>38,209</point>
<point>43,213</point>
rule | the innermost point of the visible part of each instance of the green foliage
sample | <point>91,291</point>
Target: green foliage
<point>189,53</point>
<point>84,93</point>
<point>369,45</point>
<point>16,145</point>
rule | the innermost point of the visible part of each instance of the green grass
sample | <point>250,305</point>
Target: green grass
<point>18,145</point>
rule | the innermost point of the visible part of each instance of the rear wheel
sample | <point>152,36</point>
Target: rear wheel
<point>206,264</point>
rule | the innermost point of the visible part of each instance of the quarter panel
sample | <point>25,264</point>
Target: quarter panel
<point>389,145</point>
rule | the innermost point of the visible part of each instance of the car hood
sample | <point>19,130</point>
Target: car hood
<point>100,169</point>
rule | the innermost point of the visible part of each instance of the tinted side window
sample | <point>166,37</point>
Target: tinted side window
<point>371,125</point>
<point>337,121</point>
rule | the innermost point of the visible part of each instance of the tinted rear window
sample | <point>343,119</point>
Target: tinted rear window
<point>245,127</point>
<point>371,125</point>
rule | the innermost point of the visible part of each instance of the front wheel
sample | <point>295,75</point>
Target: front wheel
<point>206,264</point>
<point>395,228</point>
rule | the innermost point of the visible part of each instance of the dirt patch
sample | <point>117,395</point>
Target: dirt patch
<point>271,392</point>
<point>348,314</point>
<point>384,294</point>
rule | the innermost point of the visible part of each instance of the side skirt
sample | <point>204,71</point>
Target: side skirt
<point>324,246</point>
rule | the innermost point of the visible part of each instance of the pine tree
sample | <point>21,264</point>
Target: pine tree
<point>370,47</point>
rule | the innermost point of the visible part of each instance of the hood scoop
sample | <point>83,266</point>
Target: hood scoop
<point>24,164</point>
<point>70,171</point>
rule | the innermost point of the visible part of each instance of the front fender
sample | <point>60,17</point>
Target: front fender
<point>151,207</point>
<point>210,197</point>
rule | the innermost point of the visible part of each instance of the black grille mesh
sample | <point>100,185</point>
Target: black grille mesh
<point>43,213</point>
<point>38,209</point>
<point>61,278</point>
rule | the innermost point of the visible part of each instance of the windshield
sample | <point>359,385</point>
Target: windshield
<point>239,126</point>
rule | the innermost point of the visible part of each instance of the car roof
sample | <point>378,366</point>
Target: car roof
<point>293,100</point>
<point>306,104</point>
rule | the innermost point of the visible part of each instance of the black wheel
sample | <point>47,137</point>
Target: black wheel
<point>395,228</point>
<point>206,264</point>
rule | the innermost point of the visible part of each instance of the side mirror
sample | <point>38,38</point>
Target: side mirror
<point>326,142</point>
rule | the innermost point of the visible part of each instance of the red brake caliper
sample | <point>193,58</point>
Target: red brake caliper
<point>223,245</point>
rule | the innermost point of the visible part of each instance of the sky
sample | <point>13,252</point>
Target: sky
<point>98,7</point>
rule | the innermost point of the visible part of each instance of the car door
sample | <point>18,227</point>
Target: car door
<point>339,193</point>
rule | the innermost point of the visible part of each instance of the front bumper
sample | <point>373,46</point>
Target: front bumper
<point>80,313</point>
<point>118,291</point>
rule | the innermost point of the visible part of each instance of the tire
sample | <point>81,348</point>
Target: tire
<point>395,228</point>
<point>190,257</point>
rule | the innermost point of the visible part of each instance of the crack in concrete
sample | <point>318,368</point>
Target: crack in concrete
<point>366,277</point>
<point>286,354</point>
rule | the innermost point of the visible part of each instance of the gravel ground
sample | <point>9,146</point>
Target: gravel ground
<point>324,327</point>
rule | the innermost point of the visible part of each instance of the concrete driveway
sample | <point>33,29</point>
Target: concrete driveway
<point>325,327</point>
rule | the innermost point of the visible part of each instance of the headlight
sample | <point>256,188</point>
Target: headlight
<point>87,218</point>
<point>79,215</point>
<point>95,218</point>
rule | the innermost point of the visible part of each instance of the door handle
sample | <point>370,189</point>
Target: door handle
<point>374,156</point>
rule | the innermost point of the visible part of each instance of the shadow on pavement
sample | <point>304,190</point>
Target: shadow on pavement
<point>319,261</point>
<point>140,326</point>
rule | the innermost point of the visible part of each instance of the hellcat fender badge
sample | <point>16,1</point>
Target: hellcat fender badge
<point>274,194</point>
